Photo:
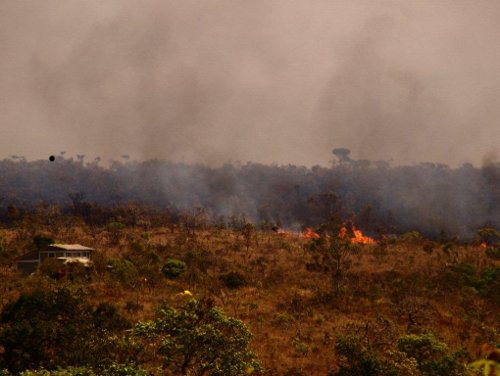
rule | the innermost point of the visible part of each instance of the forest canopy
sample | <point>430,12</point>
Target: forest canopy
<point>430,198</point>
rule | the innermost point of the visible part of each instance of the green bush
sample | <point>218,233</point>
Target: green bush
<point>199,339</point>
<point>233,280</point>
<point>112,370</point>
<point>114,226</point>
<point>173,268</point>
<point>431,355</point>
<point>72,371</point>
<point>488,235</point>
<point>398,363</point>
<point>48,329</point>
<point>493,252</point>
<point>416,355</point>
<point>280,319</point>
<point>124,370</point>
<point>355,358</point>
<point>486,367</point>
<point>125,272</point>
<point>458,276</point>
<point>487,284</point>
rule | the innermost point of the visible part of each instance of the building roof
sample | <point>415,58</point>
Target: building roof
<point>70,247</point>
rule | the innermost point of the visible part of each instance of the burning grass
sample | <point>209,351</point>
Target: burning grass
<point>392,287</point>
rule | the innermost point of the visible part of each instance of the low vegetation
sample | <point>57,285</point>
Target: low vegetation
<point>189,297</point>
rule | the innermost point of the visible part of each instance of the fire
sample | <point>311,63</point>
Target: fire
<point>343,233</point>
<point>484,245</point>
<point>358,237</point>
<point>310,234</point>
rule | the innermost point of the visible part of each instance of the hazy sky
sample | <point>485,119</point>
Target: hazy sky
<point>264,81</point>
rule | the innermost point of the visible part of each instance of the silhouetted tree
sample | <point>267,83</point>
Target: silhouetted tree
<point>342,154</point>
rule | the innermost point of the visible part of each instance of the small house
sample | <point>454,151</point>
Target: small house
<point>66,253</point>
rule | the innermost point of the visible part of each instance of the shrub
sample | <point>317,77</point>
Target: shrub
<point>124,370</point>
<point>115,229</point>
<point>113,370</point>
<point>301,348</point>
<point>493,252</point>
<point>173,268</point>
<point>115,226</point>
<point>337,254</point>
<point>447,247</point>
<point>45,329</point>
<point>106,317</point>
<point>488,235</point>
<point>41,241</point>
<point>125,272</point>
<point>200,259</point>
<point>489,285</point>
<point>428,247</point>
<point>459,275</point>
<point>52,267</point>
<point>356,359</point>
<point>200,339</point>
<point>72,371</point>
<point>431,355</point>
<point>399,364</point>
<point>488,366</point>
<point>233,280</point>
<point>294,371</point>
<point>281,319</point>
<point>132,306</point>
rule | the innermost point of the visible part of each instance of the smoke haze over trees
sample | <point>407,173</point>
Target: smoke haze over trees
<point>430,198</point>
<point>263,81</point>
<point>188,88</point>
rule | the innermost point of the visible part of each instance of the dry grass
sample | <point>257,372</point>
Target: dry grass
<point>291,311</point>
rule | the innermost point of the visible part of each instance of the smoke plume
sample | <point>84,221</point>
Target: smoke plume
<point>266,81</point>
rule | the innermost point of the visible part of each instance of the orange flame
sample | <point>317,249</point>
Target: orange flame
<point>484,245</point>
<point>343,233</point>
<point>310,234</point>
<point>358,237</point>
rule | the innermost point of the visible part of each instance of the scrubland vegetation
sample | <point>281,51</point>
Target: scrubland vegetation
<point>357,269</point>
<point>434,199</point>
<point>196,297</point>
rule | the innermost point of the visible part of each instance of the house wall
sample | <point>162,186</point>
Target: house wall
<point>46,254</point>
<point>85,254</point>
<point>29,264</point>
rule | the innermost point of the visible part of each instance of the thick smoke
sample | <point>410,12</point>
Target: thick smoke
<point>266,81</point>
<point>272,82</point>
<point>433,199</point>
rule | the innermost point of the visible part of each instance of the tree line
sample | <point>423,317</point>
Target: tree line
<point>434,199</point>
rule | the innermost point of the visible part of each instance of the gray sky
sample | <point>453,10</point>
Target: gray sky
<point>265,81</point>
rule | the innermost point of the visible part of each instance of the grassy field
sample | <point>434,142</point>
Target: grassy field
<point>282,286</point>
